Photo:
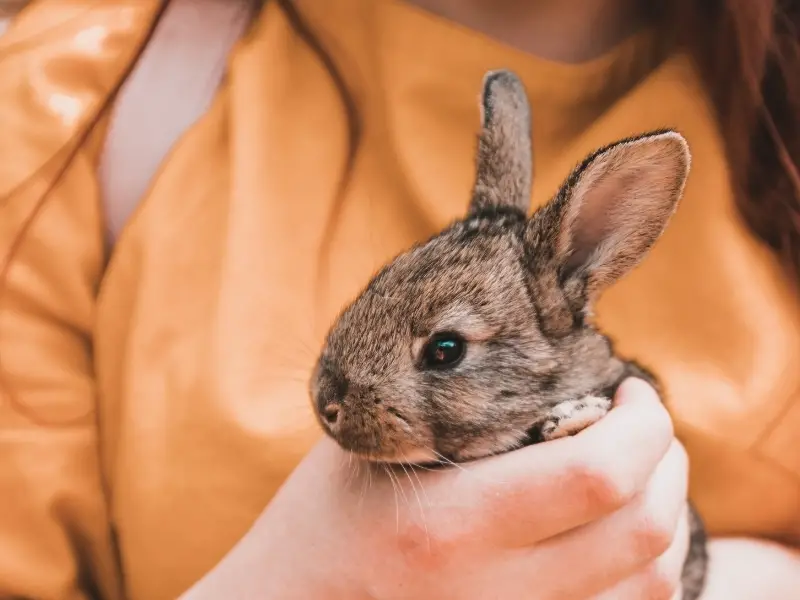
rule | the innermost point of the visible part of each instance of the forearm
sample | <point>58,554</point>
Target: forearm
<point>749,569</point>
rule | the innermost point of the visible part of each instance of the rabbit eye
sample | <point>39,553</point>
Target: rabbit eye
<point>444,351</point>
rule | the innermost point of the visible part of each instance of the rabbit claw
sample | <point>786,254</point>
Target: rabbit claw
<point>568,418</point>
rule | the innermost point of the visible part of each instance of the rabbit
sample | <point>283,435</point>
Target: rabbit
<point>479,340</point>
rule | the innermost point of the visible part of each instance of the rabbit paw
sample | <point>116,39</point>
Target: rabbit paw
<point>568,418</point>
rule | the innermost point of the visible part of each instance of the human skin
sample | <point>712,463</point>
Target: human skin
<point>598,515</point>
<point>569,32</point>
<point>312,543</point>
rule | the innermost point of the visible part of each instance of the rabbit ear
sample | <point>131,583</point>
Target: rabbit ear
<point>609,213</point>
<point>504,162</point>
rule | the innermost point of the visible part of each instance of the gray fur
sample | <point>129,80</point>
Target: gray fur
<point>504,161</point>
<point>518,289</point>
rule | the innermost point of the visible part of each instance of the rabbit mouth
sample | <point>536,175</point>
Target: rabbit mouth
<point>415,456</point>
<point>433,458</point>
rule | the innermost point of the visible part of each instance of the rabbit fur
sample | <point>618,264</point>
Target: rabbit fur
<point>514,293</point>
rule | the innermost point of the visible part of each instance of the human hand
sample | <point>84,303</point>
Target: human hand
<point>597,515</point>
<point>744,569</point>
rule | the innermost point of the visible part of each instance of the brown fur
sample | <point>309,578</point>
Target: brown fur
<point>518,290</point>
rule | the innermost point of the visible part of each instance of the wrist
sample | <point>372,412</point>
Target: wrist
<point>257,567</point>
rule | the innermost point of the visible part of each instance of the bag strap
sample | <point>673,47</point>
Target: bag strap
<point>171,86</point>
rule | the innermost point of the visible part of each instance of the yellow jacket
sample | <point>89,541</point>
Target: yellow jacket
<point>153,398</point>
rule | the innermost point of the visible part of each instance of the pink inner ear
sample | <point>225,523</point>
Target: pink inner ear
<point>601,215</point>
<point>620,205</point>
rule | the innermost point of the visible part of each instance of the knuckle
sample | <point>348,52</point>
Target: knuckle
<point>678,453</point>
<point>652,532</point>
<point>663,425</point>
<point>603,487</point>
<point>659,426</point>
<point>423,547</point>
<point>658,582</point>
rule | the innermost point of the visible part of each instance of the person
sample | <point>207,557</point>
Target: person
<point>192,189</point>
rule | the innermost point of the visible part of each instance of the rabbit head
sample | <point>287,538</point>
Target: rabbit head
<point>458,348</point>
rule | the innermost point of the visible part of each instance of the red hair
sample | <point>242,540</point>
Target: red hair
<point>748,52</point>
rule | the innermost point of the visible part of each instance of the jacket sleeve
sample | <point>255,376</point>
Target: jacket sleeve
<point>55,538</point>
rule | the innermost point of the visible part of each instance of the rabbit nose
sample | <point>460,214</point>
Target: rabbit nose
<point>331,412</point>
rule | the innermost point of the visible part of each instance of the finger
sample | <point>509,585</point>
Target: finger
<point>540,491</point>
<point>616,546</point>
<point>632,389</point>
<point>661,578</point>
<point>524,572</point>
